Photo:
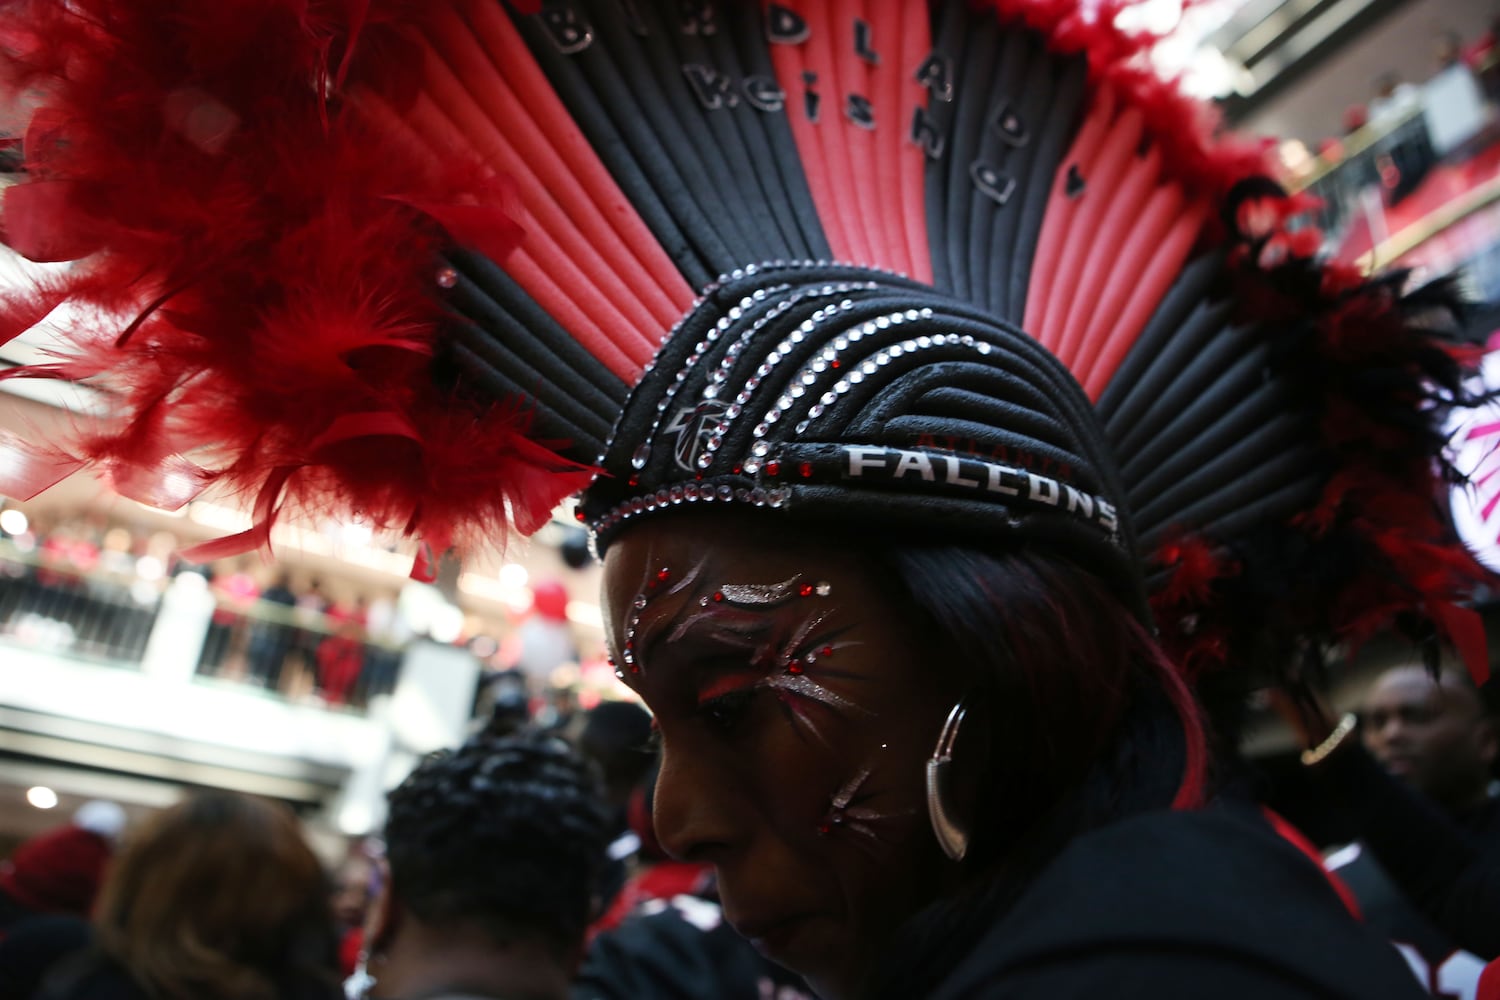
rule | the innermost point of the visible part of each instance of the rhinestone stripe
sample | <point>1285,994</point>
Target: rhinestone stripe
<point>870,365</point>
<point>807,378</point>
<point>732,355</point>
<point>642,453</point>
<point>738,274</point>
<point>686,493</point>
<point>627,648</point>
<point>773,359</point>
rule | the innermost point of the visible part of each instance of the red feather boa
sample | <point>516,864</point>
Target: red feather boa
<point>259,268</point>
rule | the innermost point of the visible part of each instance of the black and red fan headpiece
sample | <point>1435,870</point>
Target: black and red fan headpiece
<point>962,269</point>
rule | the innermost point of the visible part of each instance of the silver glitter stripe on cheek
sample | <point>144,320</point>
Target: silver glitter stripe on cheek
<point>858,820</point>
<point>845,795</point>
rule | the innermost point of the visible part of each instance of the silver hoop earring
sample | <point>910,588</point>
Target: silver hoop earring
<point>951,836</point>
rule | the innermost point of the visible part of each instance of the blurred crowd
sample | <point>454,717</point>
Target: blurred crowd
<point>523,864</point>
<point>1465,69</point>
<point>85,587</point>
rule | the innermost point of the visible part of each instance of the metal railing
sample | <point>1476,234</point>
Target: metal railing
<point>298,653</point>
<point>107,617</point>
<point>1380,164</point>
<point>104,617</point>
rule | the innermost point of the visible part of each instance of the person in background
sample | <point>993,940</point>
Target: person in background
<point>617,736</point>
<point>299,676</point>
<point>386,634</point>
<point>271,635</point>
<point>47,891</point>
<point>355,884</point>
<point>218,898</point>
<point>340,655</point>
<point>59,872</point>
<point>494,852</point>
<point>1425,867</point>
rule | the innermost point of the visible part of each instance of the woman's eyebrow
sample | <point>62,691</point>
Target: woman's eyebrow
<point>732,625</point>
<point>739,615</point>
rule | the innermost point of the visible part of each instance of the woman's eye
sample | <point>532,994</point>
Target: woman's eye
<point>725,711</point>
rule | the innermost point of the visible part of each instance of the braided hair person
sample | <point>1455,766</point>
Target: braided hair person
<point>946,400</point>
<point>495,854</point>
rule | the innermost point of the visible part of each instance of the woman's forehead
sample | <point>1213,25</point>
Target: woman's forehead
<point>725,547</point>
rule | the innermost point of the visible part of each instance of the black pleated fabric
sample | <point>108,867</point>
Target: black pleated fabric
<point>507,343</point>
<point>727,180</point>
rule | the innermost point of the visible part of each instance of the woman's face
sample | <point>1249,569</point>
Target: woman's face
<point>797,705</point>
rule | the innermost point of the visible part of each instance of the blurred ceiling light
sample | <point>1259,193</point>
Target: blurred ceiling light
<point>584,613</point>
<point>41,796</point>
<point>1155,16</point>
<point>513,576</point>
<point>356,534</point>
<point>13,522</point>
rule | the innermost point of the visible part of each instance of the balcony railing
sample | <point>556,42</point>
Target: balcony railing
<point>113,618</point>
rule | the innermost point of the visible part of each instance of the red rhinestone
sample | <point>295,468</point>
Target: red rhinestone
<point>773,468</point>
<point>834,363</point>
<point>795,668</point>
<point>578,514</point>
<point>826,651</point>
<point>737,470</point>
<point>718,595</point>
<point>635,668</point>
<point>805,590</point>
<point>823,829</point>
<point>664,574</point>
<point>634,480</point>
<point>805,469</point>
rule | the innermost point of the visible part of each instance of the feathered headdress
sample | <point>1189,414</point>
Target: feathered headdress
<point>958,268</point>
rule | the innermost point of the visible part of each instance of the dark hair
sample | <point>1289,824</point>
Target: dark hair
<point>617,735</point>
<point>221,897</point>
<point>504,835</point>
<point>1086,721</point>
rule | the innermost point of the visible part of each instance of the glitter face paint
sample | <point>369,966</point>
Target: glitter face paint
<point>847,813</point>
<point>782,632</point>
<point>780,629</point>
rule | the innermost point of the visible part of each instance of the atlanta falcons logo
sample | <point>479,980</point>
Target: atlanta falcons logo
<point>694,425</point>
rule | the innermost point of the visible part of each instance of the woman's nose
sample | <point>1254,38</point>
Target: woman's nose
<point>695,815</point>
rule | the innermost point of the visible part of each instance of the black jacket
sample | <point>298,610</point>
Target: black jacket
<point>1448,866</point>
<point>1181,906</point>
<point>681,950</point>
